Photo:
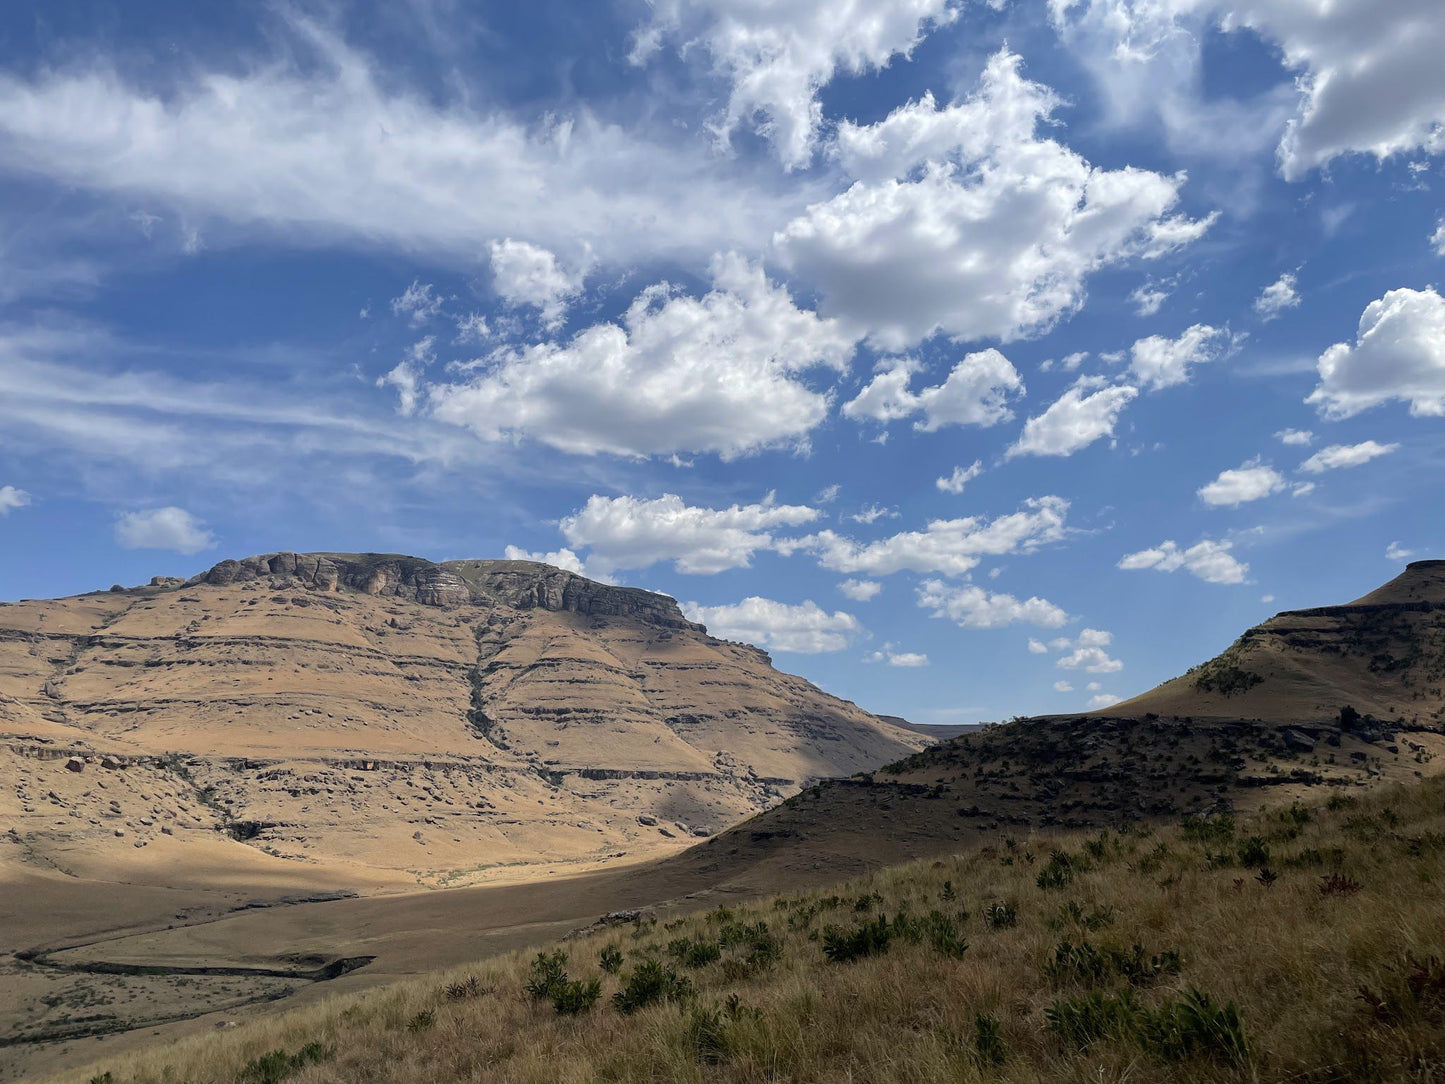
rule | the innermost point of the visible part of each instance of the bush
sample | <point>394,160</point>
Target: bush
<point>610,960</point>
<point>1082,1021</point>
<point>1058,872</point>
<point>1090,964</point>
<point>651,982</point>
<point>1337,884</point>
<point>277,1065</point>
<point>870,939</point>
<point>422,1021</point>
<point>988,1045</point>
<point>694,953</point>
<point>1000,915</point>
<point>1208,829</point>
<point>549,971</point>
<point>706,1035</point>
<point>1253,852</point>
<point>463,990</point>
<point>572,998</point>
<point>1189,1027</point>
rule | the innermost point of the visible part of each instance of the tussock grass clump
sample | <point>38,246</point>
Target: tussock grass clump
<point>1135,955</point>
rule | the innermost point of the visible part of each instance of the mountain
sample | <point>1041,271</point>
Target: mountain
<point>365,720</point>
<point>1311,702</point>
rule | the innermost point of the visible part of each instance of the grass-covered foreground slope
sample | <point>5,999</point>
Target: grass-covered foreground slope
<point>1297,943</point>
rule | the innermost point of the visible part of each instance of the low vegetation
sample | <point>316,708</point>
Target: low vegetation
<point>1303,943</point>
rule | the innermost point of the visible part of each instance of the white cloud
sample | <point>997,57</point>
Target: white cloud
<point>860,590</point>
<point>1063,687</point>
<point>561,558</point>
<point>1367,77</point>
<point>948,546</point>
<point>1103,700</point>
<point>407,376</point>
<point>1075,420</point>
<point>527,274</point>
<point>976,392</point>
<point>167,528</point>
<point>1396,552</point>
<point>873,513</point>
<point>896,658</point>
<point>1277,297</point>
<point>1437,239</point>
<point>11,499</point>
<point>1148,298</point>
<point>719,373</point>
<point>960,477</point>
<point>1345,455</point>
<point>964,221</point>
<point>1210,561</point>
<point>418,303</point>
<point>1087,652</point>
<point>776,56</point>
<point>1399,353</point>
<point>317,140</point>
<point>806,628</point>
<point>631,533</point>
<point>473,328</point>
<point>974,608</point>
<point>1158,362</point>
<point>1038,647</point>
<point>828,494</point>
<point>1251,481</point>
<point>1301,437</point>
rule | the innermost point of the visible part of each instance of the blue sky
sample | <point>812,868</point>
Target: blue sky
<point>975,358</point>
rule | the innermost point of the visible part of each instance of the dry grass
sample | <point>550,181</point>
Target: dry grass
<point>1355,902</point>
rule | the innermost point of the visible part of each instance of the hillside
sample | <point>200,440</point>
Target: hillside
<point>1312,701</point>
<point>387,720</point>
<point>1302,943</point>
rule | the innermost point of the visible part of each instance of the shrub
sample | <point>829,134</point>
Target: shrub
<point>1253,852</point>
<point>694,953</point>
<point>572,998</point>
<point>1058,872</point>
<point>706,1035</point>
<point>277,1065</point>
<point>610,960</point>
<point>763,949</point>
<point>422,1021</point>
<point>1082,1021</point>
<point>1000,915</point>
<point>988,1045</point>
<point>651,982</point>
<point>463,990</point>
<point>1207,829</point>
<point>549,971</point>
<point>1337,884</point>
<point>870,939</point>
<point>1194,1026</point>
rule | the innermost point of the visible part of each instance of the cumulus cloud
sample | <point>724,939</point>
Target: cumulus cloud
<point>1063,687</point>
<point>1367,80</point>
<point>1075,420</point>
<point>1437,239</point>
<point>777,56</point>
<point>1250,482</point>
<point>1159,362</point>
<point>961,476</point>
<point>1398,353</point>
<point>632,533</point>
<point>896,658</point>
<point>963,220</point>
<point>860,590</point>
<point>1103,700</point>
<point>11,499</point>
<point>1038,647</point>
<point>1300,437</point>
<point>805,629</point>
<point>562,558</point>
<point>873,513</point>
<point>527,274</point>
<point>1345,455</point>
<point>408,375</point>
<point>1087,652</point>
<point>1209,561</point>
<point>976,392</point>
<point>717,373</point>
<point>974,608</point>
<point>1148,298</point>
<point>948,546</point>
<point>1396,552</point>
<point>167,528</point>
<point>1277,297</point>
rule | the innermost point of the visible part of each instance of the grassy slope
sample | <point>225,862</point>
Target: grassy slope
<point>1291,958</point>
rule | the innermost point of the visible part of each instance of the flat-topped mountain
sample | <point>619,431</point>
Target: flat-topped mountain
<point>1311,702</point>
<point>369,719</point>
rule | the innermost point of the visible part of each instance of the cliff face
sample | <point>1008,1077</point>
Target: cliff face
<point>394,718</point>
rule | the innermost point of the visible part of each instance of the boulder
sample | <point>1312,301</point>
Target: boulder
<point>111,763</point>
<point>75,764</point>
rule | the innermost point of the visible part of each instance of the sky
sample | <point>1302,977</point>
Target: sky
<point>974,357</point>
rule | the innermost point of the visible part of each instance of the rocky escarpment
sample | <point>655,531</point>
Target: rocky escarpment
<point>521,584</point>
